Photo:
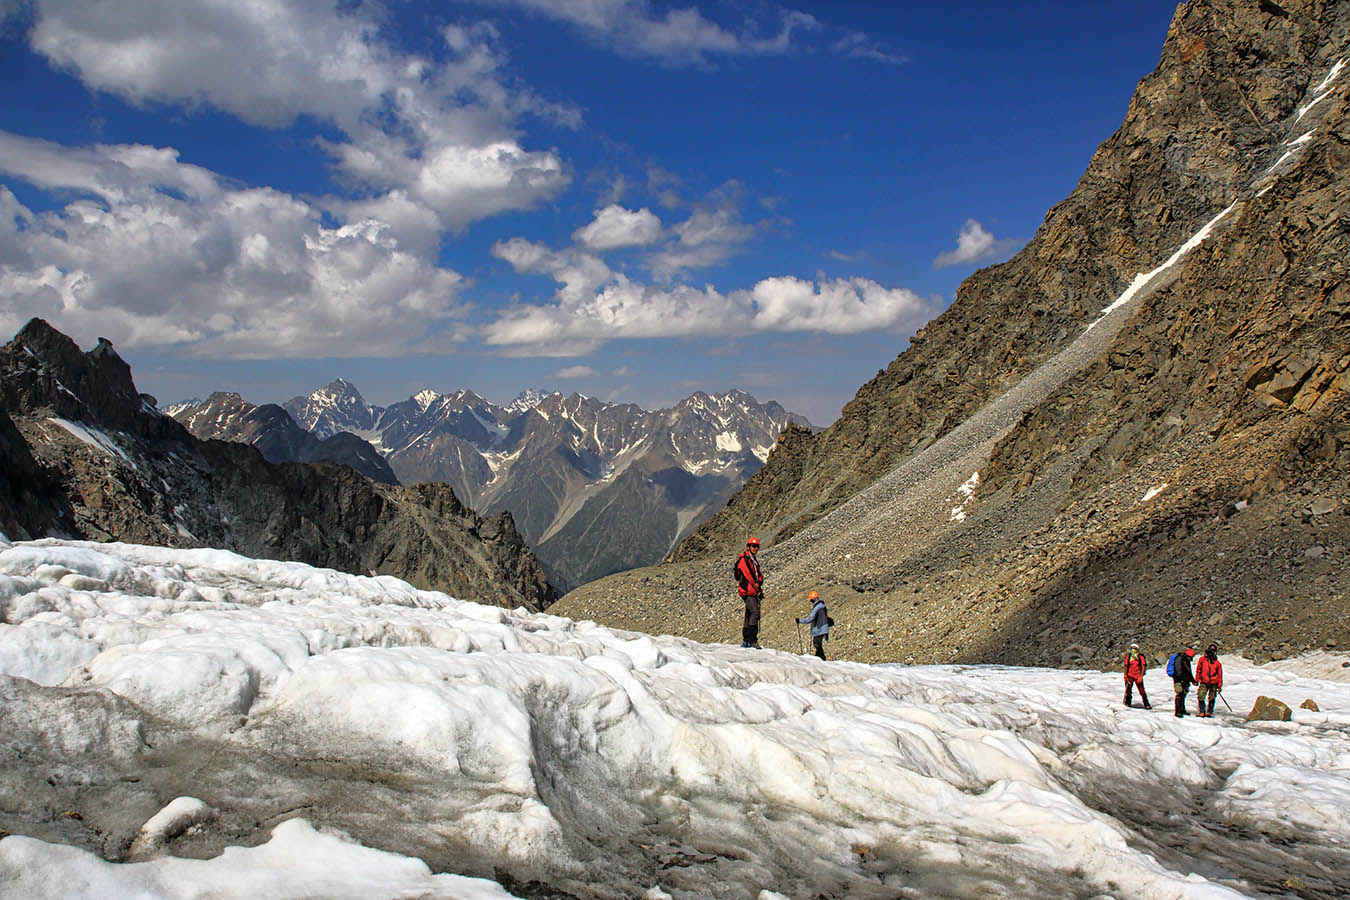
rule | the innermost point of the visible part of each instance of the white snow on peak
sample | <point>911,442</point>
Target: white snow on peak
<point>728,441</point>
<point>97,438</point>
<point>424,398</point>
<point>526,399</point>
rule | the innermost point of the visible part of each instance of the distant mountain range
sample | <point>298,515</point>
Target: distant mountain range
<point>83,454</point>
<point>596,487</point>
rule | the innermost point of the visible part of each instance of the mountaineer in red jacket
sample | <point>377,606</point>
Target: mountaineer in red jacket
<point>1209,675</point>
<point>750,585</point>
<point>1135,667</point>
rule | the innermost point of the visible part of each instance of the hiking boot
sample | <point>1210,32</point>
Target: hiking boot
<point>745,645</point>
<point>1148,706</point>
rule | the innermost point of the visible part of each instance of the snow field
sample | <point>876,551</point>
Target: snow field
<point>605,763</point>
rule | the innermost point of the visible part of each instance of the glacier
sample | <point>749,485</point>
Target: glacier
<point>308,733</point>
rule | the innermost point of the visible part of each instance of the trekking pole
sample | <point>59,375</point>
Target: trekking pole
<point>1224,699</point>
<point>799,638</point>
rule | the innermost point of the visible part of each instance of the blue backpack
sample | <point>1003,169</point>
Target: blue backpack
<point>1172,665</point>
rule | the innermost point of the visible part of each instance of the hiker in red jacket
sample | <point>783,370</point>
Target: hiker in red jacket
<point>1135,667</point>
<point>750,585</point>
<point>1209,677</point>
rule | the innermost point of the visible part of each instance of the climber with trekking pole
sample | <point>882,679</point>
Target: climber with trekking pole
<point>820,622</point>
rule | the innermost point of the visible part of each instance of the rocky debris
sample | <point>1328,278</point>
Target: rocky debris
<point>1310,704</point>
<point>1268,709</point>
<point>141,477</point>
<point>1322,506</point>
<point>1152,482</point>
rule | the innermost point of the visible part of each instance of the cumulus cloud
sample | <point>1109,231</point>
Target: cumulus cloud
<point>973,244</point>
<point>155,251</point>
<point>614,227</point>
<point>624,308</point>
<point>438,133</point>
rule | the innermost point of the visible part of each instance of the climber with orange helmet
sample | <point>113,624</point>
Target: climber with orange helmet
<point>750,586</point>
<point>820,621</point>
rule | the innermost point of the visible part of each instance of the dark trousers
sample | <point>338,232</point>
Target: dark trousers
<point>750,630</point>
<point>1181,690</point>
<point>819,642</point>
<point>1129,691</point>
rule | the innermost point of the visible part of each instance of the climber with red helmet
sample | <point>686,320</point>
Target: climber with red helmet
<point>750,586</point>
<point>820,621</point>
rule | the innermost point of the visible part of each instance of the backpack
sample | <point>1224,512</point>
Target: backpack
<point>1172,665</point>
<point>736,572</point>
<point>829,621</point>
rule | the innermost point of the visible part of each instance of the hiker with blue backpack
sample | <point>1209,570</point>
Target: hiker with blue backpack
<point>1179,667</point>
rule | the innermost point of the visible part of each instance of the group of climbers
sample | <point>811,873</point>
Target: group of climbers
<point>1207,674</point>
<point>750,587</point>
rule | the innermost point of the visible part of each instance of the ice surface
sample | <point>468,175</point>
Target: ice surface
<point>298,862</point>
<point>604,763</point>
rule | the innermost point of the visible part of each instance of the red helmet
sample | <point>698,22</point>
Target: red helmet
<point>813,596</point>
<point>753,542</point>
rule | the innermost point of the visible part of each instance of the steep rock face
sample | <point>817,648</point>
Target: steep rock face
<point>31,501</point>
<point>1196,130</point>
<point>225,416</point>
<point>1176,471</point>
<point>127,472</point>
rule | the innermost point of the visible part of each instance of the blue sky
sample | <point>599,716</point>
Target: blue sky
<point>631,199</point>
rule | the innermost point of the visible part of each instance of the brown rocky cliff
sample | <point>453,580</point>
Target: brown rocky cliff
<point>1178,473</point>
<point>1197,127</point>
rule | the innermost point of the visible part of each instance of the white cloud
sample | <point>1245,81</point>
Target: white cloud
<point>614,227</point>
<point>623,308</point>
<point>972,244</point>
<point>574,372</point>
<point>675,37</point>
<point>580,274</point>
<point>154,251</point>
<point>711,234</point>
<point>440,133</point>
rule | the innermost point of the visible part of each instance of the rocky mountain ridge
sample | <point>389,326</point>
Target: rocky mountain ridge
<point>95,459</point>
<point>1074,455</point>
<point>596,487</point>
<point>225,416</point>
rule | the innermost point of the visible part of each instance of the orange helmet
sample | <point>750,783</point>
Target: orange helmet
<point>813,596</point>
<point>753,542</point>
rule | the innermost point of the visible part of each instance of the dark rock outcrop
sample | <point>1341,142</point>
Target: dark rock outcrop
<point>118,469</point>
